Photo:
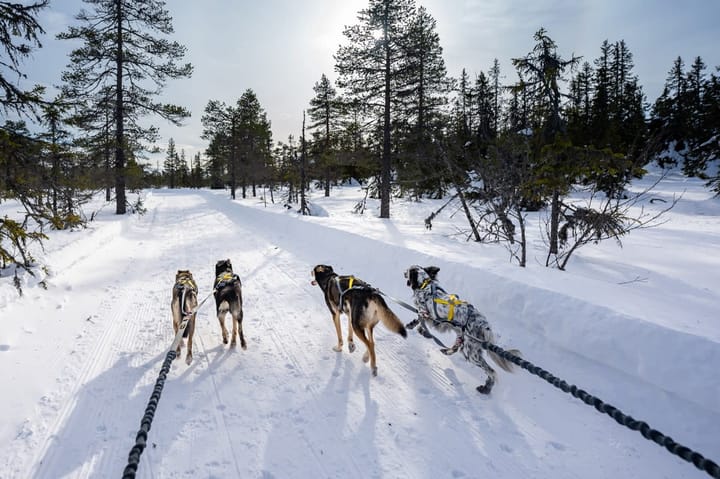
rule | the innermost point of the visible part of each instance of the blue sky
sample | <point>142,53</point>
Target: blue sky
<point>280,48</point>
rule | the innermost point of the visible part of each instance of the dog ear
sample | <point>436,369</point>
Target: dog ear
<point>432,271</point>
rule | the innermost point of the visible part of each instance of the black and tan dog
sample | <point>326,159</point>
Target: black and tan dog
<point>184,301</point>
<point>228,298</point>
<point>362,304</point>
<point>446,312</point>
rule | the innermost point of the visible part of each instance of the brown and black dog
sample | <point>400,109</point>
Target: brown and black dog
<point>362,304</point>
<point>184,301</point>
<point>228,298</point>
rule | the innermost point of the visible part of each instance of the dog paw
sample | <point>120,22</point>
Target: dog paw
<point>243,345</point>
<point>374,371</point>
<point>188,360</point>
<point>337,349</point>
<point>424,332</point>
<point>448,351</point>
<point>483,389</point>
<point>233,343</point>
<point>351,347</point>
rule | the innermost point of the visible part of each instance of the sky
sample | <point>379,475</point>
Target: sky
<point>634,326</point>
<point>280,48</point>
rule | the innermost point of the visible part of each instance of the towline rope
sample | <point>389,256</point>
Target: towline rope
<point>147,419</point>
<point>647,432</point>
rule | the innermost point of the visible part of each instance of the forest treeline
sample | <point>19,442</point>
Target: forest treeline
<point>391,117</point>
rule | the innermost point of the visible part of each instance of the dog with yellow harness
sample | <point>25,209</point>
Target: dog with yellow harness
<point>184,303</point>
<point>227,289</point>
<point>446,312</point>
<point>362,304</point>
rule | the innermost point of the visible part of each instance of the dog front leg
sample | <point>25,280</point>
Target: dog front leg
<point>336,321</point>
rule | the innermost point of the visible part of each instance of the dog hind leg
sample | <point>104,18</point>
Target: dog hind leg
<point>222,310</point>
<point>370,345</point>
<point>237,331</point>
<point>351,343</point>
<point>475,356</point>
<point>191,331</point>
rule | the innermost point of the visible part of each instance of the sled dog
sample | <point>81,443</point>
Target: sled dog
<point>184,301</point>
<point>227,290</point>
<point>362,304</point>
<point>446,312</point>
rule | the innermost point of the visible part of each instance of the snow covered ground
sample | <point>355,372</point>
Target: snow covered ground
<point>638,327</point>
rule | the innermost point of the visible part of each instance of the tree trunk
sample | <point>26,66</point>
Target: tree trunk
<point>120,199</point>
<point>468,215</point>
<point>523,240</point>
<point>303,204</point>
<point>233,158</point>
<point>554,222</point>
<point>385,168</point>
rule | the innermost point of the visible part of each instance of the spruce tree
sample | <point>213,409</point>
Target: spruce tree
<point>371,67</point>
<point>171,164</point>
<point>544,70</point>
<point>125,51</point>
<point>422,99</point>
<point>324,114</point>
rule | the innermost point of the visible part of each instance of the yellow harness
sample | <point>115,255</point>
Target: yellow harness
<point>226,277</point>
<point>187,281</point>
<point>451,302</point>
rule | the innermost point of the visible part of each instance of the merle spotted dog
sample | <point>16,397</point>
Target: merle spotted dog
<point>446,312</point>
<point>227,289</point>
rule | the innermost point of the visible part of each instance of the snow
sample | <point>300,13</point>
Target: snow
<point>636,326</point>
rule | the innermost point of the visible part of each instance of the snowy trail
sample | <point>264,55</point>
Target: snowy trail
<point>288,406</point>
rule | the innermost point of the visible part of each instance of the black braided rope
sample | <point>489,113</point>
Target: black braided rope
<point>146,422</point>
<point>628,421</point>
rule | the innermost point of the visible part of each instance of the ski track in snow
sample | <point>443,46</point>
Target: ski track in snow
<point>289,406</point>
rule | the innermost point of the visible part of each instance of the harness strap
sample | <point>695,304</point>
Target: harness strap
<point>451,302</point>
<point>187,281</point>
<point>225,278</point>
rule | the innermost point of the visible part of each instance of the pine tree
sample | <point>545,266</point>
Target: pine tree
<point>371,66</point>
<point>19,30</point>
<point>324,113</point>
<point>669,124</point>
<point>171,164</point>
<point>422,99</point>
<point>709,150</point>
<point>600,121</point>
<point>543,69</point>
<point>121,53</point>
<point>580,109</point>
<point>196,172</point>
<point>241,137</point>
<point>255,144</point>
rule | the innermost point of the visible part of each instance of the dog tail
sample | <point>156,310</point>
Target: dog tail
<point>388,318</point>
<point>499,360</point>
